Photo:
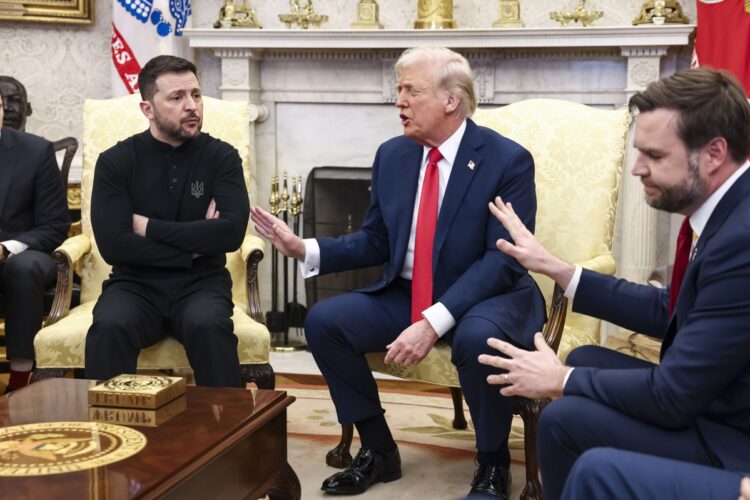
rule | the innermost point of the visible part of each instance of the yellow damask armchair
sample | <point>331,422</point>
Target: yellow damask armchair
<point>579,153</point>
<point>59,346</point>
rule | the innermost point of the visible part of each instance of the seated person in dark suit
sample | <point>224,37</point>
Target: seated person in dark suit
<point>693,138</point>
<point>34,220</point>
<point>606,473</point>
<point>167,205</point>
<point>443,277</point>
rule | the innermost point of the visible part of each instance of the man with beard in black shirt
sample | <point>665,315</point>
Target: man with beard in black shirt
<point>167,204</point>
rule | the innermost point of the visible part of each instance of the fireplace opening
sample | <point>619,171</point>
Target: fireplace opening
<point>336,200</point>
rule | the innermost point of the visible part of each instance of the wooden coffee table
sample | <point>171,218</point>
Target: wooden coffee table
<point>228,443</point>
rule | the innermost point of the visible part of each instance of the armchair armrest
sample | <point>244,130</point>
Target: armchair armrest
<point>251,251</point>
<point>558,310</point>
<point>65,256</point>
<point>252,244</point>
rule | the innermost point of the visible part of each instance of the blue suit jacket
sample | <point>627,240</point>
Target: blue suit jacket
<point>704,375</point>
<point>470,275</point>
<point>33,206</point>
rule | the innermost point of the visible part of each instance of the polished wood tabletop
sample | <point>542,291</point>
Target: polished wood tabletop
<point>228,443</point>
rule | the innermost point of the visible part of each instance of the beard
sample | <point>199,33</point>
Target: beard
<point>177,132</point>
<point>676,198</point>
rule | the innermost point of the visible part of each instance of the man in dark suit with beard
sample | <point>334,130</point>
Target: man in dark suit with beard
<point>34,220</point>
<point>693,140</point>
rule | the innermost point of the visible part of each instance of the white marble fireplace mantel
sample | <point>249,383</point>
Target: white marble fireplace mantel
<point>325,97</point>
<point>622,36</point>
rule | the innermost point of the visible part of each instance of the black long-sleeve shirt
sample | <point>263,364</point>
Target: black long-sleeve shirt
<point>173,188</point>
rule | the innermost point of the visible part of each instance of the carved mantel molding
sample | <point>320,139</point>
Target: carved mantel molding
<point>625,36</point>
<point>245,53</point>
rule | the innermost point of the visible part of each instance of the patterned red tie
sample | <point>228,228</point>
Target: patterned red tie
<point>421,280</point>
<point>681,258</point>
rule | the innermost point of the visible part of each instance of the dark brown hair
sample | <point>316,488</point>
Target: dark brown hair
<point>158,66</point>
<point>710,104</point>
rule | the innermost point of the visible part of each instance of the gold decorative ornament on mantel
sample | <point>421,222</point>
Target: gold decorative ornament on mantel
<point>305,16</point>
<point>232,15</point>
<point>434,15</point>
<point>508,14</point>
<point>661,12</point>
<point>368,16</point>
<point>578,15</point>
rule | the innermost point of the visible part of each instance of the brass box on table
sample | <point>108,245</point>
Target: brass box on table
<point>144,392</point>
<point>135,416</point>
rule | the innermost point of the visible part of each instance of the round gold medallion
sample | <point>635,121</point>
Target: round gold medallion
<point>58,447</point>
<point>137,383</point>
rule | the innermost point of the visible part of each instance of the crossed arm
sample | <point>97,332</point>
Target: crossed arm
<point>140,222</point>
<point>130,239</point>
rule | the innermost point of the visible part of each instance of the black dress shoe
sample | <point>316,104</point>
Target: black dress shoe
<point>490,481</point>
<point>367,468</point>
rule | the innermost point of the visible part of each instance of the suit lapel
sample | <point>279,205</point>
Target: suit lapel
<point>458,183</point>
<point>8,161</point>
<point>405,193</point>
<point>739,190</point>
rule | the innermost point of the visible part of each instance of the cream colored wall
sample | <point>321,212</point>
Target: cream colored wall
<point>60,65</point>
<point>63,65</point>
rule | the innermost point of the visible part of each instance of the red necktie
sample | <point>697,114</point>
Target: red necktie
<point>421,280</point>
<point>681,258</point>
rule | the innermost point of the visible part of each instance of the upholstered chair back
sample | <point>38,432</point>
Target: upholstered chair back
<point>105,123</point>
<point>579,152</point>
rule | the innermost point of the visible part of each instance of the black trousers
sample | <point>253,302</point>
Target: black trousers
<point>23,279</point>
<point>136,312</point>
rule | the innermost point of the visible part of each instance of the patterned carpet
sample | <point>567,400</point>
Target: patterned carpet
<point>437,460</point>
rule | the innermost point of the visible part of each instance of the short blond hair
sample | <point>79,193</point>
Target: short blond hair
<point>456,76</point>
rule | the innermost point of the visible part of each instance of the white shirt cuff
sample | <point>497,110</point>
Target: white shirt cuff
<point>567,376</point>
<point>14,247</point>
<point>311,265</point>
<point>570,292</point>
<point>439,318</point>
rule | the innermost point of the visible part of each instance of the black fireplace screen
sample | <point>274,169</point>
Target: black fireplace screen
<point>335,202</point>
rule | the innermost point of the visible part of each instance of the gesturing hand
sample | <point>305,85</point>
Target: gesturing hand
<point>278,233</point>
<point>534,374</point>
<point>412,345</point>
<point>527,250</point>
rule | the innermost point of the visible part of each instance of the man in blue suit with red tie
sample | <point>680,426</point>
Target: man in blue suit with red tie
<point>693,138</point>
<point>428,223</point>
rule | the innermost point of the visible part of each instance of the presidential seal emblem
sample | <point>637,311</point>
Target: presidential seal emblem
<point>138,383</point>
<point>59,447</point>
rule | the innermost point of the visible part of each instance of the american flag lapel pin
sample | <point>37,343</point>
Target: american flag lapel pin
<point>471,165</point>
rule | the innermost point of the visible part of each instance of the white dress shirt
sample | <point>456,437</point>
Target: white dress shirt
<point>437,315</point>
